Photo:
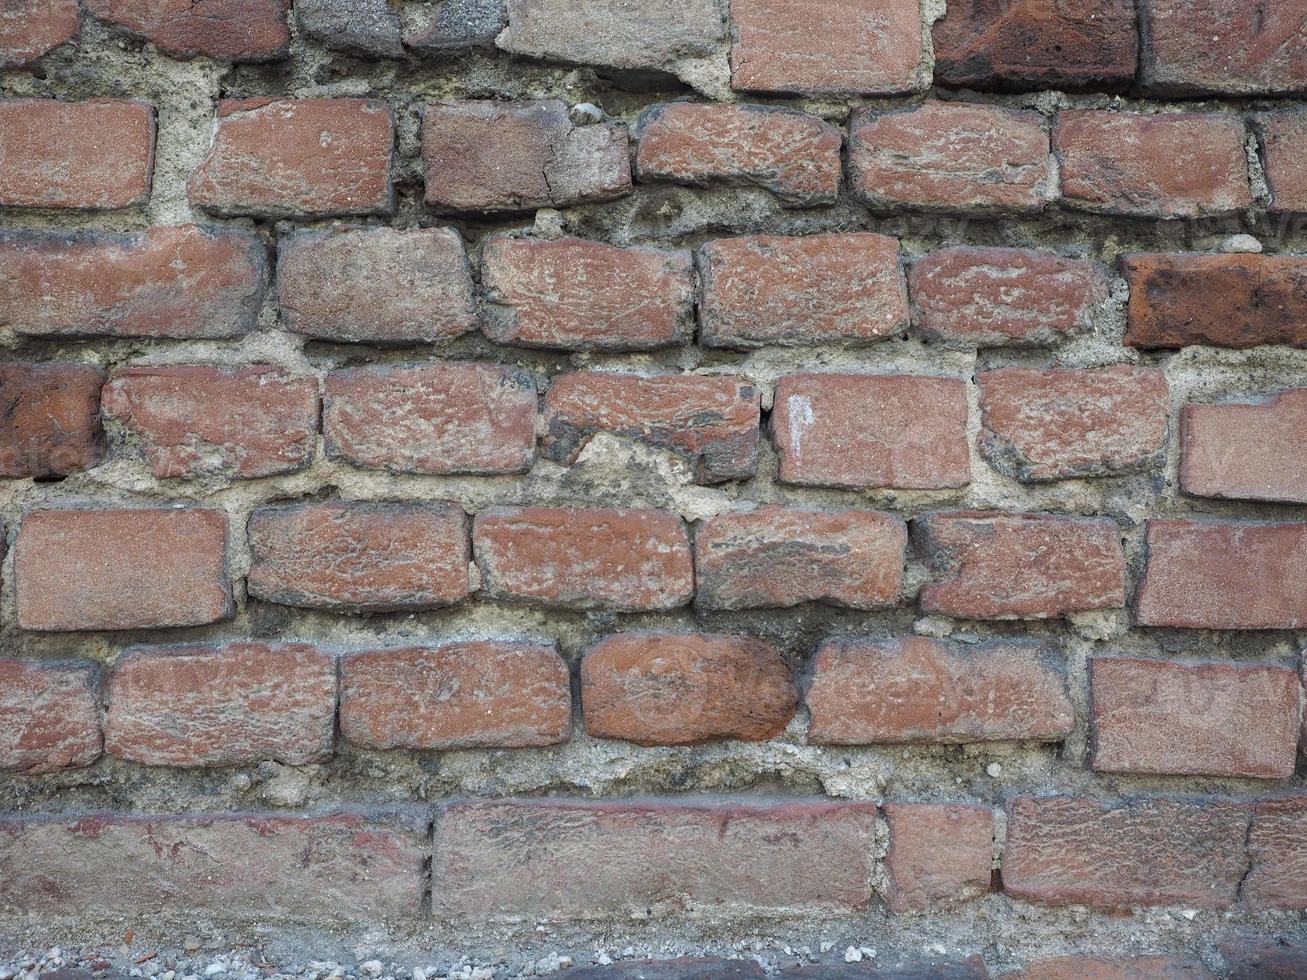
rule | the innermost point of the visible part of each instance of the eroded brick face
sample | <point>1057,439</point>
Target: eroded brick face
<point>49,715</point>
<point>1246,450</point>
<point>30,28</point>
<point>938,853</point>
<point>1284,140</point>
<point>237,30</point>
<point>49,419</point>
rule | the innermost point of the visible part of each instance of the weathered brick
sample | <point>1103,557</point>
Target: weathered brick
<point>972,968</point>
<point>1062,423</point>
<point>685,688</point>
<point>478,694</point>
<point>119,569</point>
<point>775,557</point>
<point>452,25</point>
<point>49,418</point>
<point>861,431</point>
<point>202,421</point>
<point>855,47</point>
<point>31,28</point>
<point>1064,850</point>
<point>1208,574</point>
<point>951,156</point>
<point>364,27</point>
<point>517,156</point>
<point>1025,566</point>
<point>1263,959</point>
<point>712,421</point>
<point>1246,450</point>
<point>938,853</point>
<point>377,285</point>
<point>1221,300</point>
<point>624,560</point>
<point>233,30</point>
<point>360,555</point>
<point>183,281</point>
<point>1228,47</point>
<point>227,705</point>
<point>1277,872</point>
<point>1072,45</point>
<point>791,154</point>
<point>916,689</point>
<point>49,715</point>
<point>1202,719</point>
<point>339,868</point>
<point>1284,143</point>
<point>579,295</point>
<point>680,968</point>
<point>1100,968</point>
<point>96,155</point>
<point>609,860</point>
<point>1163,165</point>
<point>440,417</point>
<point>768,289</point>
<point>969,296</point>
<point>297,158</point>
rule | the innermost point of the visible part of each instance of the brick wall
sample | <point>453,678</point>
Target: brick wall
<point>590,475</point>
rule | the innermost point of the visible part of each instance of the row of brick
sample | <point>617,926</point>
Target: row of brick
<point>275,157</point>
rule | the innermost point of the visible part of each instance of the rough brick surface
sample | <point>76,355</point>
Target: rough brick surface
<point>1284,142</point>
<point>365,27</point>
<point>49,418</point>
<point>682,689</point>
<point>1246,450</point>
<point>767,289</point>
<point>1258,959</point>
<point>516,156</point>
<point>119,569</point>
<point>30,28</point>
<point>228,705</point>
<point>1277,875</point>
<point>480,694</point>
<point>680,968</point>
<point>938,853</point>
<point>574,294</point>
<point>867,431</point>
<point>377,285</point>
<point>950,156</point>
<point>298,158</point>
<point>96,155</point>
<point>1027,566</point>
<point>49,715</point>
<point>608,860</point>
<point>233,30</point>
<point>200,421</point>
<point>916,689</point>
<point>452,25</point>
<point>1103,968</point>
<point>791,154</point>
<point>454,417</point>
<point>711,421</point>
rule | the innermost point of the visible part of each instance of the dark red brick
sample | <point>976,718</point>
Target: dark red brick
<point>1100,968</point>
<point>939,853</point>
<point>49,715</point>
<point>233,30</point>
<point>1277,873</point>
<point>31,28</point>
<point>49,418</point>
<point>1284,143</point>
<point>1246,450</point>
<point>1263,959</point>
<point>680,968</point>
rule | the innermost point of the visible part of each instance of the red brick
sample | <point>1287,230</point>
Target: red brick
<point>1073,45</point>
<point>377,285</point>
<point>578,295</point>
<point>228,705</point>
<point>1163,165</point>
<point>775,557</point>
<point>1277,874</point>
<point>856,47</point>
<point>360,555</point>
<point>1222,300</point>
<point>182,281</point>
<point>768,289</point>
<point>49,715</point>
<point>915,689</point>
<point>712,421</point>
<point>473,695</point>
<point>1207,574</point>
<point>791,154</point>
<point>201,421</point>
<point>1263,959</point>
<point>233,30</point>
<point>680,968</point>
<point>340,868</point>
<point>972,968</point>
<point>437,418</point>
<point>951,156</point>
<point>1058,424</point>
<point>1284,143</point>
<point>1005,297</point>
<point>1228,47</point>
<point>298,158</point>
<point>1064,850</point>
<point>30,28</point>
<point>609,860</point>
<point>1099,968</point>
<point>121,569</point>
<point>49,418</point>
<point>94,156</point>
<point>517,156</point>
<point>1025,566</point>
<point>623,560</point>
<point>1246,450</point>
<point>861,431</point>
<point>938,853</point>
<point>685,688</point>
<point>1200,719</point>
